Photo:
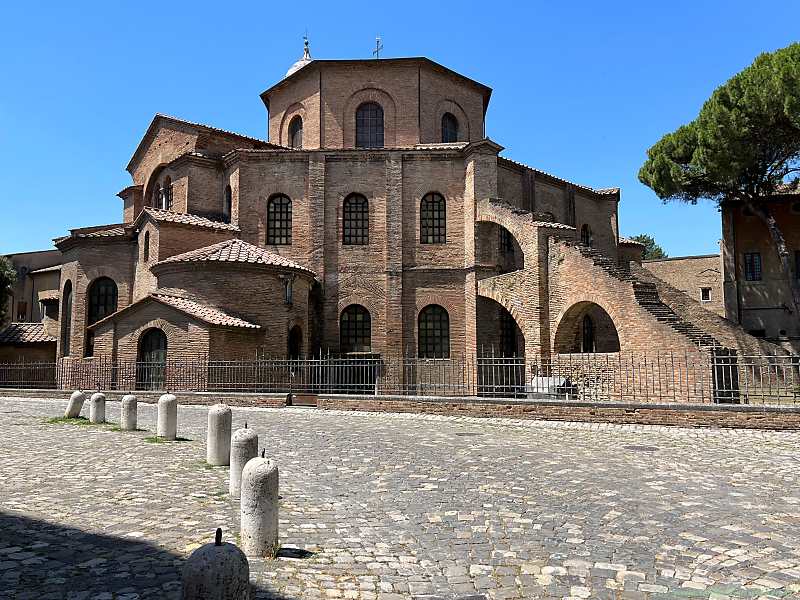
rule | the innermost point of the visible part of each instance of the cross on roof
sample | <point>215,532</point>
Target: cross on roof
<point>378,47</point>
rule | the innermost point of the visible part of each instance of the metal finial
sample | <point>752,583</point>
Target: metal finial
<point>306,50</point>
<point>378,47</point>
<point>218,537</point>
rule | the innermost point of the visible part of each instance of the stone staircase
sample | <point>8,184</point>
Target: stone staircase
<point>646,295</point>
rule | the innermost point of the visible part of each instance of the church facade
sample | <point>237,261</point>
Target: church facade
<point>378,218</point>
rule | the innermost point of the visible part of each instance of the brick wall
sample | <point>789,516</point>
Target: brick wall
<point>690,274</point>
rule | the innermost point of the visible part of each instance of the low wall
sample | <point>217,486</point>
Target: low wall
<point>742,416</point>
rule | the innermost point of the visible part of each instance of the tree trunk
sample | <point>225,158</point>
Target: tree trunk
<point>779,242</point>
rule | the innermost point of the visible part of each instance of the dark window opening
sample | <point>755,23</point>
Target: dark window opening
<point>167,202</point>
<point>355,329</point>
<point>66,316</point>
<point>227,207</point>
<point>151,360</point>
<point>797,264</point>
<point>102,295</point>
<point>146,247</point>
<point>506,241</point>
<point>588,337</point>
<point>294,343</point>
<point>508,334</point>
<point>369,125</point>
<point>288,291</point>
<point>279,221</point>
<point>587,239</point>
<point>449,128</point>
<point>22,311</point>
<point>759,333</point>
<point>355,221</point>
<point>433,332</point>
<point>752,266</point>
<point>705,294</point>
<point>433,219</point>
<point>296,132</point>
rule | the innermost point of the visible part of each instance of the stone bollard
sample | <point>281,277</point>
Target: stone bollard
<point>216,572</point>
<point>218,439</point>
<point>75,405</point>
<point>167,417</point>
<point>128,410</point>
<point>244,446</point>
<point>97,408</point>
<point>259,508</point>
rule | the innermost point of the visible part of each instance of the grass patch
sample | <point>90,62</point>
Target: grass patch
<point>118,428</point>
<point>71,421</point>
<point>154,439</point>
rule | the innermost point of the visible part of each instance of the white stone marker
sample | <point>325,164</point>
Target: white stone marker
<point>75,405</point>
<point>128,410</point>
<point>218,438</point>
<point>167,427</point>
<point>216,572</point>
<point>259,508</point>
<point>244,446</point>
<point>97,408</point>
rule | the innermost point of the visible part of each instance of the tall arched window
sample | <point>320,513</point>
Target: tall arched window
<point>369,125</point>
<point>587,239</point>
<point>432,219</point>
<point>279,221</point>
<point>296,132</point>
<point>588,339</point>
<point>449,128</point>
<point>102,301</point>
<point>433,332</point>
<point>167,202</point>
<point>146,247</point>
<point>227,204</point>
<point>151,360</point>
<point>355,329</point>
<point>355,220</point>
<point>66,318</point>
<point>294,343</point>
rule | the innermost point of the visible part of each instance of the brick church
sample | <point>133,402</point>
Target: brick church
<point>377,217</point>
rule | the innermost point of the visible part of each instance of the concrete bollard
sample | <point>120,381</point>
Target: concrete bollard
<point>75,405</point>
<point>216,572</point>
<point>97,408</point>
<point>218,438</point>
<point>259,508</point>
<point>167,427</point>
<point>128,413</point>
<point>244,446</point>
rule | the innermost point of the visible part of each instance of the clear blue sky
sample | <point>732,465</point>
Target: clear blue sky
<point>580,89</point>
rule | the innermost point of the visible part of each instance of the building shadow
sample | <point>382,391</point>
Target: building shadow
<point>40,559</point>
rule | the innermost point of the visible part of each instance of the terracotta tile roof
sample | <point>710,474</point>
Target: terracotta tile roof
<point>52,269</point>
<point>236,251</point>
<point>25,333</point>
<point>217,129</point>
<point>552,224</point>
<point>49,295</point>
<point>208,314</point>
<point>187,219</point>
<point>602,191</point>
<point>114,231</point>
<point>630,242</point>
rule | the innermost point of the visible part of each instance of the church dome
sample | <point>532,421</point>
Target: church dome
<point>302,62</point>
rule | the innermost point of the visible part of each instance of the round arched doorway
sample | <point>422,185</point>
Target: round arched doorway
<point>151,360</point>
<point>586,328</point>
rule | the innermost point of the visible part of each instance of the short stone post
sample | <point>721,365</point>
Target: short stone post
<point>259,508</point>
<point>218,438</point>
<point>216,572</point>
<point>97,408</point>
<point>75,405</point>
<point>128,413</point>
<point>244,446</point>
<point>167,417</point>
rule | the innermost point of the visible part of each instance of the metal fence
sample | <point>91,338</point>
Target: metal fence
<point>698,377</point>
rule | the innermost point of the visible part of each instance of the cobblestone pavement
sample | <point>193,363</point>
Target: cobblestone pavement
<point>384,507</point>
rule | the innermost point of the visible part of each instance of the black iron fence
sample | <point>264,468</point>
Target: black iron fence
<point>699,377</point>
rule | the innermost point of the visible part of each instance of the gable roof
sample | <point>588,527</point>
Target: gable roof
<point>197,310</point>
<point>235,251</point>
<point>485,90</point>
<point>25,333</point>
<point>169,216</point>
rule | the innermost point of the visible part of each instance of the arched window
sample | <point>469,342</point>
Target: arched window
<point>102,300</point>
<point>587,239</point>
<point>355,220</point>
<point>449,128</point>
<point>146,247</point>
<point>151,360</point>
<point>296,132</point>
<point>369,125</point>
<point>157,196</point>
<point>66,318</point>
<point>432,219</point>
<point>587,336</point>
<point>279,221</point>
<point>433,332</point>
<point>355,329</point>
<point>167,196</point>
<point>227,205</point>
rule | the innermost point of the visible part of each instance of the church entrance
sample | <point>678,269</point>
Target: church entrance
<point>151,362</point>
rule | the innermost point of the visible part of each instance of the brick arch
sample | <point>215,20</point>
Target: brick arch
<point>170,330</point>
<point>296,109</point>
<point>369,94</point>
<point>147,189</point>
<point>522,231</point>
<point>448,105</point>
<point>512,305</point>
<point>569,328</point>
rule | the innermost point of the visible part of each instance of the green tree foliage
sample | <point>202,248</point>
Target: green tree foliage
<point>743,147</point>
<point>8,276</point>
<point>651,249</point>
